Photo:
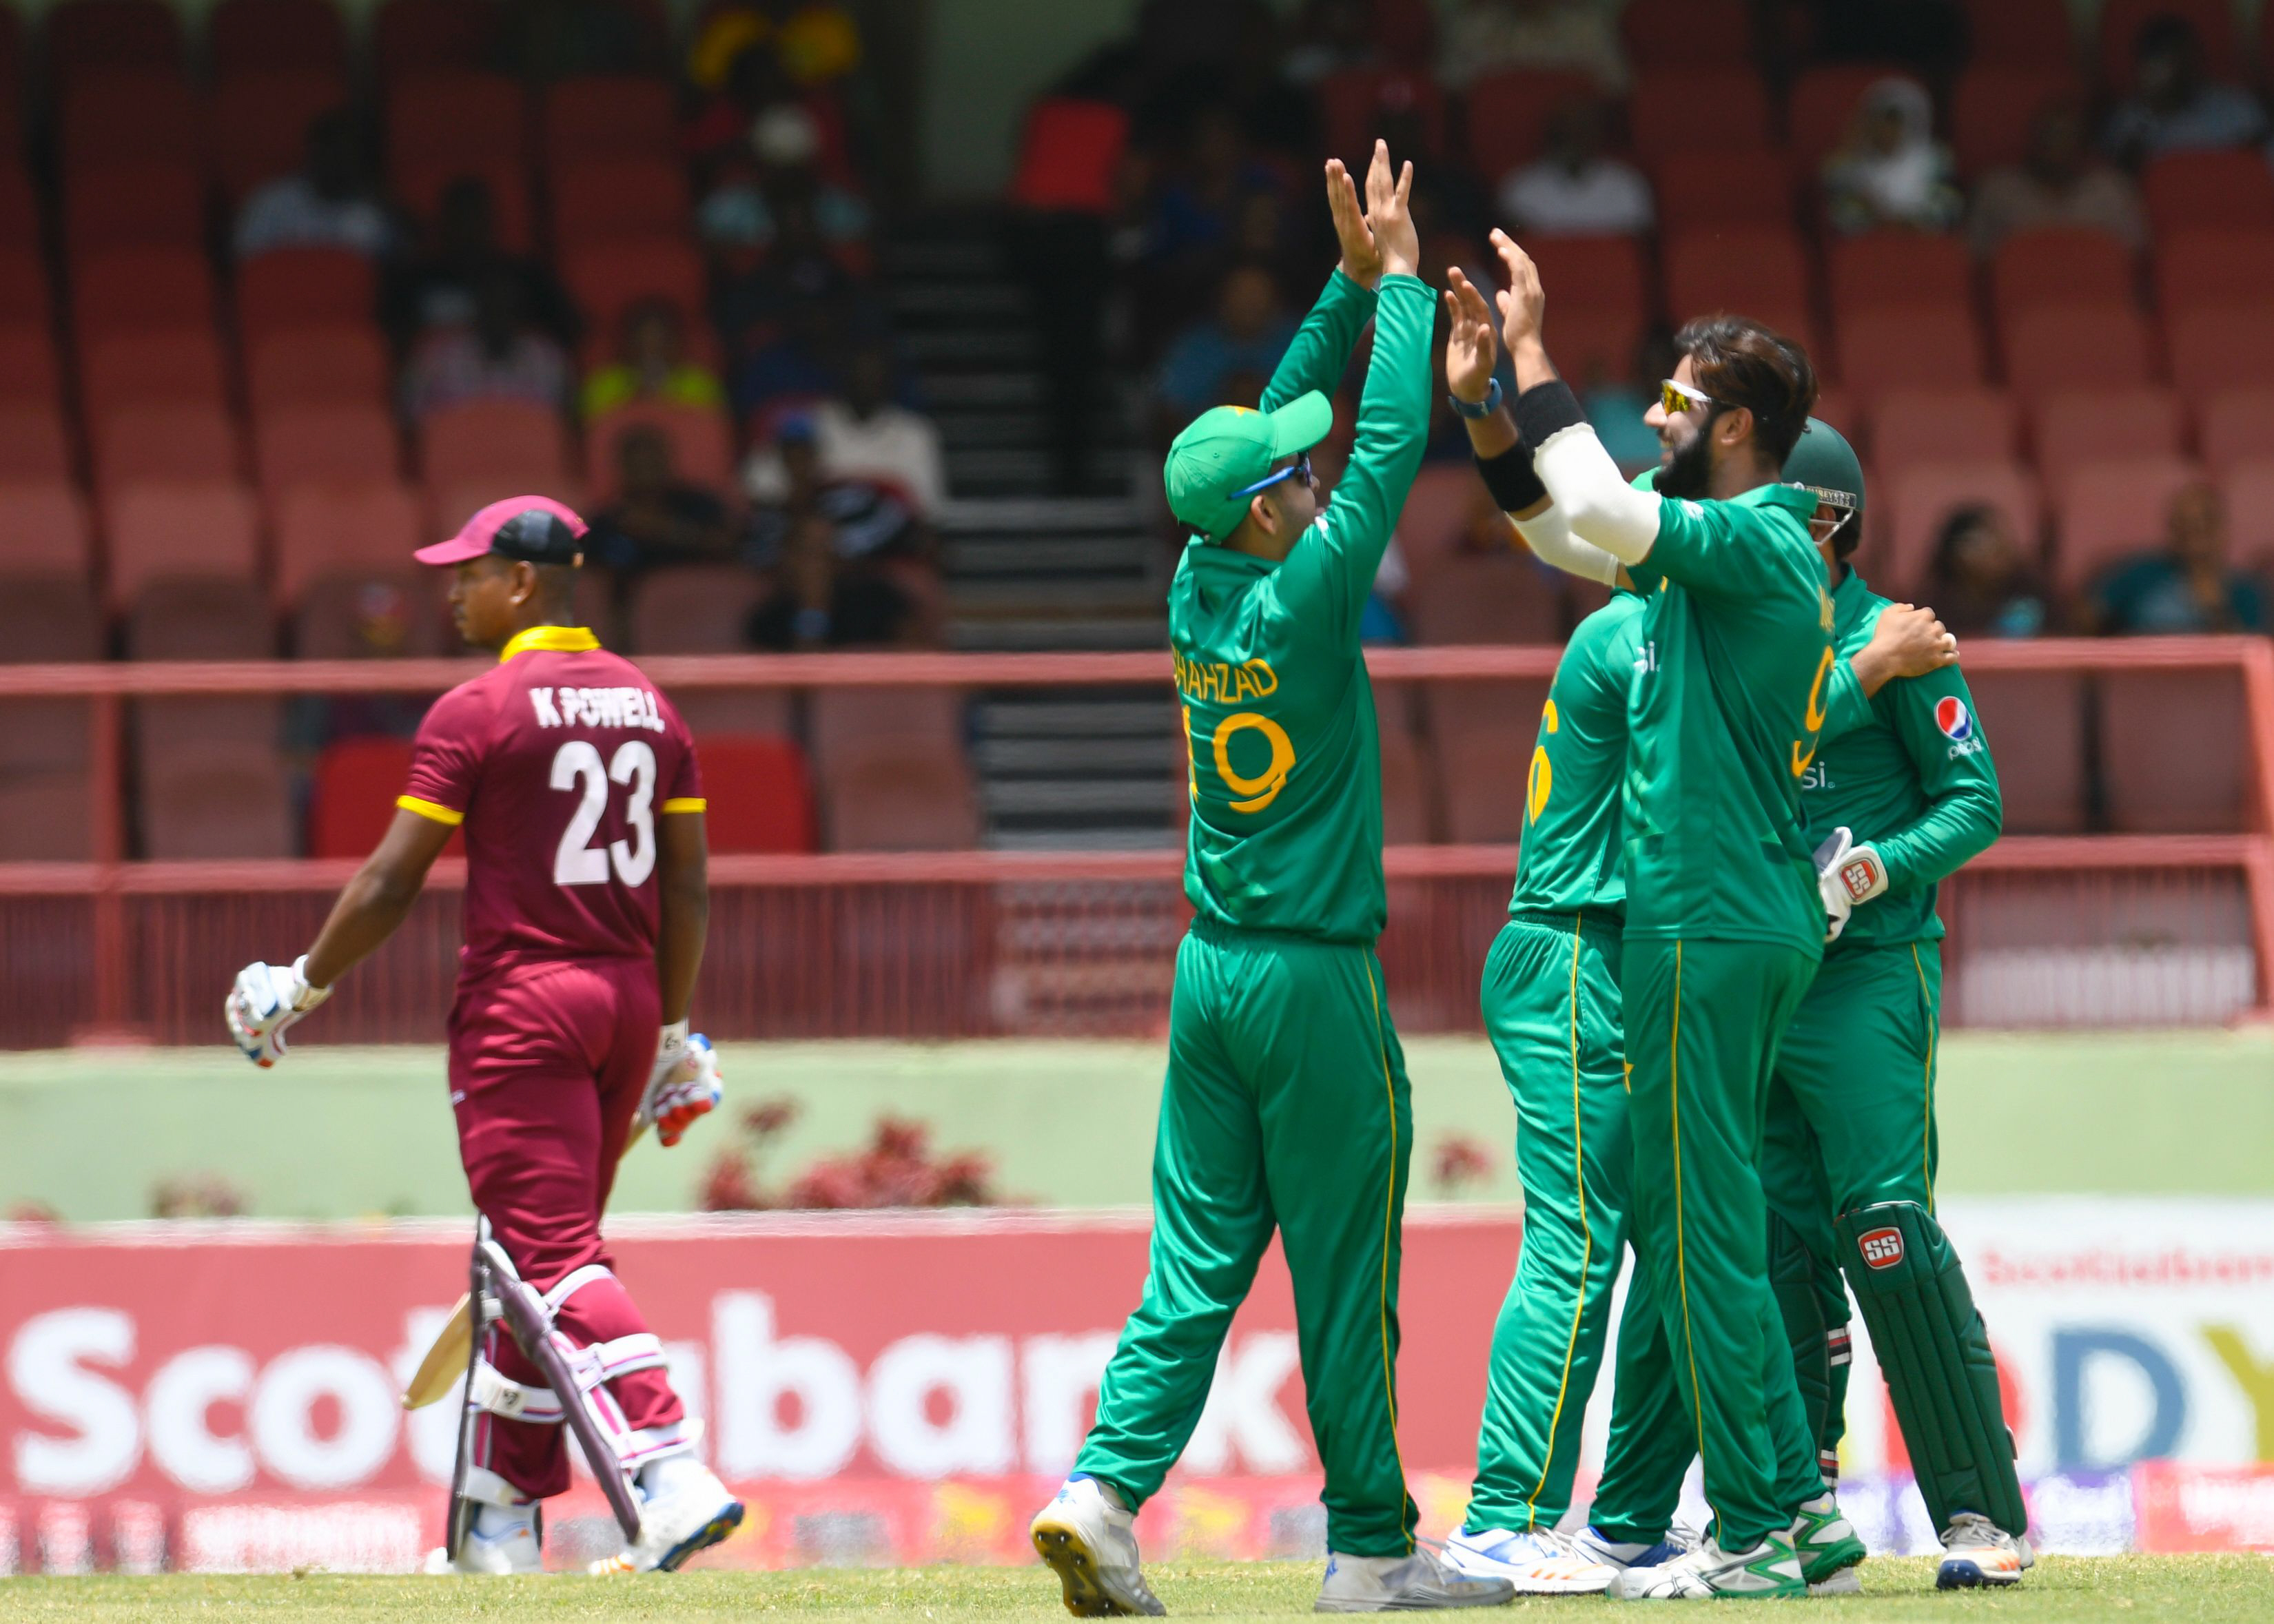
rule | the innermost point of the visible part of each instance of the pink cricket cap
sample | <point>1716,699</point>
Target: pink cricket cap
<point>534,529</point>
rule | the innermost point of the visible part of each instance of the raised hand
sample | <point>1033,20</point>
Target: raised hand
<point>1469,348</point>
<point>1390,216</point>
<point>1522,302</point>
<point>1361,258</point>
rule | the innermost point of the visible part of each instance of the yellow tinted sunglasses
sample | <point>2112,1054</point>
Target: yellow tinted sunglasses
<point>1680,397</point>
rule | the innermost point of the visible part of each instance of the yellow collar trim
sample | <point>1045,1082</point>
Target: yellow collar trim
<point>556,639</point>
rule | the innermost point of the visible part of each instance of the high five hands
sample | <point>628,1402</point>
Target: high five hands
<point>1378,241</point>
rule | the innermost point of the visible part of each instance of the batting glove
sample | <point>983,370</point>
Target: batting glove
<point>683,1086</point>
<point>1847,876</point>
<point>267,999</point>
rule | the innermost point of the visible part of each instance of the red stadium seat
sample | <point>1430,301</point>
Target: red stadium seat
<point>694,609</point>
<point>1594,272</point>
<point>1911,346</point>
<point>608,116</point>
<point>2114,508</point>
<point>1897,267</point>
<point>1358,104</point>
<point>28,365</point>
<point>923,802</point>
<point>420,186</point>
<point>493,439</point>
<point>2076,427</point>
<point>2077,345</point>
<point>2249,488</point>
<point>2221,347</point>
<point>2054,267</point>
<point>2165,780</point>
<point>229,803</point>
<point>1676,108</point>
<point>1509,113</point>
<point>261,119</point>
<point>329,444</point>
<point>33,443</point>
<point>123,114</point>
<point>607,277</point>
<point>2237,425</point>
<point>276,36</point>
<point>1925,495</point>
<point>351,795</point>
<point>161,441</point>
<point>90,35</point>
<point>1743,269</point>
<point>337,527</point>
<point>1405,819</point>
<point>849,724</point>
<point>2037,32</point>
<point>181,367</point>
<point>760,794</point>
<point>23,286</point>
<point>2193,189</point>
<point>141,289</point>
<point>1994,105</point>
<point>2213,265</point>
<point>1823,105</point>
<point>46,618</point>
<point>702,446</point>
<point>1504,597</point>
<point>606,199</point>
<point>1911,426</point>
<point>1688,31</point>
<point>168,531</point>
<point>451,117</point>
<point>372,613</point>
<point>293,367</point>
<point>1592,343</point>
<point>292,288</point>
<point>426,36</point>
<point>2121,20</point>
<point>1702,190</point>
<point>1483,732</point>
<point>2037,721</point>
<point>42,530</point>
<point>157,201</point>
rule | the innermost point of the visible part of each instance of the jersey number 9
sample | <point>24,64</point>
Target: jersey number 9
<point>576,766</point>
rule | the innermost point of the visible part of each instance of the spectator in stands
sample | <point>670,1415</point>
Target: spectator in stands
<point>1980,581</point>
<point>783,160</point>
<point>1575,188</point>
<point>652,364</point>
<point>498,355</point>
<point>1330,36</point>
<point>438,290</point>
<point>813,43</point>
<point>788,317</point>
<point>831,548</point>
<point>2188,587</point>
<point>329,202</point>
<point>1573,36</point>
<point>1201,202</point>
<point>865,435</point>
<point>2175,105</point>
<point>1250,330</point>
<point>2059,183</point>
<point>658,518</point>
<point>1890,170</point>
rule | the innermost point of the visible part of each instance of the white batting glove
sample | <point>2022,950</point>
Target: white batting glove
<point>683,1085</point>
<point>267,999</point>
<point>1847,876</point>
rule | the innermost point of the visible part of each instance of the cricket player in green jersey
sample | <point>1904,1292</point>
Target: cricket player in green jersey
<point>1285,1103</point>
<point>1902,793</point>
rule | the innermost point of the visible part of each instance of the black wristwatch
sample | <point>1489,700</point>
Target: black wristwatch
<point>1481,408</point>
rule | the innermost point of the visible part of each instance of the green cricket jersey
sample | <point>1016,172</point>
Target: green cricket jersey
<point>1728,702</point>
<point>1279,720</point>
<point>1907,770</point>
<point>1572,861</point>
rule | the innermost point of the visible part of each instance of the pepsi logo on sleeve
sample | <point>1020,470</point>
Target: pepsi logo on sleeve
<point>1957,724</point>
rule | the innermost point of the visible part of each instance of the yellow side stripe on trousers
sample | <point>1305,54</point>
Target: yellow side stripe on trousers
<point>1586,1241</point>
<point>1926,1087</point>
<point>1388,1228</point>
<point>1681,1262</point>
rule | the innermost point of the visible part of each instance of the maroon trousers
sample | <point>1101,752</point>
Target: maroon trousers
<point>547,1064</point>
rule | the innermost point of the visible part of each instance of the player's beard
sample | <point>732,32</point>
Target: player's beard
<point>1688,470</point>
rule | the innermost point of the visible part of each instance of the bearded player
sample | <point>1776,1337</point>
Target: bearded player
<point>1285,1103</point>
<point>1552,1009</point>
<point>576,787</point>
<point>1902,794</point>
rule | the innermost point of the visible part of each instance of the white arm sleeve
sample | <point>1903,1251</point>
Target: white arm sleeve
<point>1550,539</point>
<point>1598,505</point>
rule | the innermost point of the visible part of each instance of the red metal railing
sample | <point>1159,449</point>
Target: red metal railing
<point>961,942</point>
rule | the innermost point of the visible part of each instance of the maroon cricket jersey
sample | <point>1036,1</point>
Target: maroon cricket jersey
<point>557,764</point>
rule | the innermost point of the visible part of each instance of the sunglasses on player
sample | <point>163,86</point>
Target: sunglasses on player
<point>1680,397</point>
<point>1300,469</point>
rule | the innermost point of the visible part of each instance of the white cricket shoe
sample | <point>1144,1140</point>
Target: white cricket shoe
<point>1538,1562</point>
<point>684,1508</point>
<point>502,1539</point>
<point>1771,1568</point>
<point>1977,1552</point>
<point>1618,1555</point>
<point>1421,1583</point>
<point>1089,1539</point>
<point>1828,1547</point>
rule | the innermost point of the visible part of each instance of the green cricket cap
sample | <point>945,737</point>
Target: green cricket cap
<point>1231,447</point>
<point>1825,465</point>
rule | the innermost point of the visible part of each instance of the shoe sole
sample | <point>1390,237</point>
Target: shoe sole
<point>1820,1564</point>
<point>1966,1576</point>
<point>1069,1556</point>
<point>1323,1604</point>
<point>702,1539</point>
<point>1847,1582</point>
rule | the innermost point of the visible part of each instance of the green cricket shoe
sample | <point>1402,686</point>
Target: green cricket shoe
<point>1828,1548</point>
<point>1770,1570</point>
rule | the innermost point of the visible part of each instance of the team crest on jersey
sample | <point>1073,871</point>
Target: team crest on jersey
<point>1881,1248</point>
<point>1956,720</point>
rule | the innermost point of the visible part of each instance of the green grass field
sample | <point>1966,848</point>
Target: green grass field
<point>2207,1589</point>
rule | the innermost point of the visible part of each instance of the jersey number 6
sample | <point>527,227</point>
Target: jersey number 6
<point>577,765</point>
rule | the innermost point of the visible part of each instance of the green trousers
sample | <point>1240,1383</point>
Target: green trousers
<point>1551,1007</point>
<point>1285,1105</point>
<point>1702,1021</point>
<point>1850,1122</point>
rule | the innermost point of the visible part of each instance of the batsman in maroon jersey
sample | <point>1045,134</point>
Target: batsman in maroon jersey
<point>576,789</point>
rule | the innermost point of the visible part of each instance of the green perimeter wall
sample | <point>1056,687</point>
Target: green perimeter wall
<point>344,1133</point>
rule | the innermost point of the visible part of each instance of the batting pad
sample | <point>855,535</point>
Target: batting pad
<point>1935,1354</point>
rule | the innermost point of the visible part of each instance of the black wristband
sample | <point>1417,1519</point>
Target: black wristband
<point>1546,409</point>
<point>1511,479</point>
